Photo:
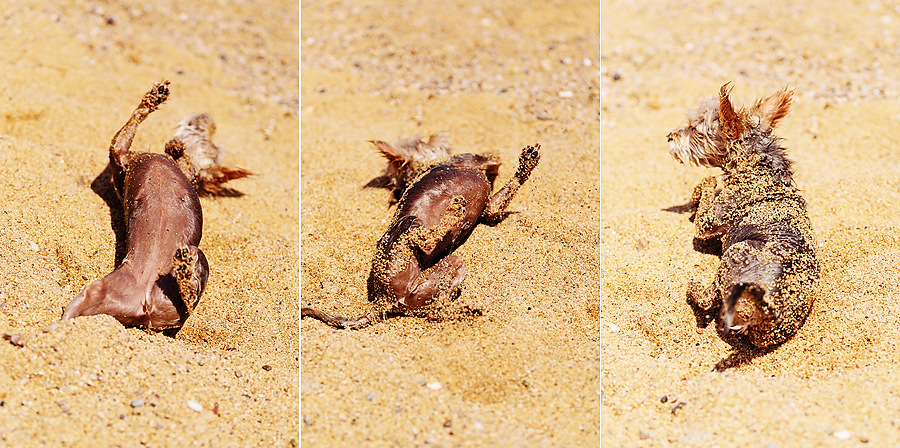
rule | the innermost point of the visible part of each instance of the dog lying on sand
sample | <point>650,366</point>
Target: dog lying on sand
<point>762,292</point>
<point>414,270</point>
<point>159,282</point>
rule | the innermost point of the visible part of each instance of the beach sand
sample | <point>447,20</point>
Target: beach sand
<point>72,73</point>
<point>835,383</point>
<point>492,77</point>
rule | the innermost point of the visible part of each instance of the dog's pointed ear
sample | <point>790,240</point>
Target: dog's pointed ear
<point>772,109</point>
<point>387,150</point>
<point>731,125</point>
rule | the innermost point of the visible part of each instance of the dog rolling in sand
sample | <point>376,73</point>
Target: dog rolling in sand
<point>762,292</point>
<point>160,280</point>
<point>414,270</point>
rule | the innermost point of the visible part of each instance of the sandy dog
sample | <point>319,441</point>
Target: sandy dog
<point>414,270</point>
<point>762,292</point>
<point>159,282</point>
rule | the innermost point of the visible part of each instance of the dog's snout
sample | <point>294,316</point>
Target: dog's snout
<point>670,137</point>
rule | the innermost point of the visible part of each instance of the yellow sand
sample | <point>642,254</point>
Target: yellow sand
<point>836,382</point>
<point>493,77</point>
<point>72,74</point>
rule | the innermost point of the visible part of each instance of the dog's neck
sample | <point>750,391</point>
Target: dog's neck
<point>759,154</point>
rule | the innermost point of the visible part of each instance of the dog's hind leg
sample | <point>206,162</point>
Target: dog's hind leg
<point>191,271</point>
<point>705,302</point>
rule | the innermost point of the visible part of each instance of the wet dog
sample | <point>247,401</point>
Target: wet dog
<point>414,270</point>
<point>762,292</point>
<point>159,282</point>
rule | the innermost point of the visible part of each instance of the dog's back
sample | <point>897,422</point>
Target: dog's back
<point>768,246</point>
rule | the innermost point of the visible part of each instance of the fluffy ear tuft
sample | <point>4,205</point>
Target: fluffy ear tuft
<point>388,150</point>
<point>772,109</point>
<point>731,124</point>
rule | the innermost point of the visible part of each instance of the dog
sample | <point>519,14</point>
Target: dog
<point>159,282</point>
<point>763,289</point>
<point>414,270</point>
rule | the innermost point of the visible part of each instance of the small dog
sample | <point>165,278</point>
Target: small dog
<point>414,270</point>
<point>762,290</point>
<point>164,273</point>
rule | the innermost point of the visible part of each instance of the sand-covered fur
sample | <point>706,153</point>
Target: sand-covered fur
<point>414,270</point>
<point>762,292</point>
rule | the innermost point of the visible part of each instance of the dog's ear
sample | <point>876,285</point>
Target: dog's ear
<point>731,125</point>
<point>772,109</point>
<point>387,150</point>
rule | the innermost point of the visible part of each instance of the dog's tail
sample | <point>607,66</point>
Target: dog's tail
<point>749,292</point>
<point>374,316</point>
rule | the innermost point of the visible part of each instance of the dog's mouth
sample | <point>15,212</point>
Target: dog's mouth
<point>674,146</point>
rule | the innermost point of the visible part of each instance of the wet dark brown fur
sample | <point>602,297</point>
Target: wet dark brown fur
<point>414,270</point>
<point>762,292</point>
<point>164,273</point>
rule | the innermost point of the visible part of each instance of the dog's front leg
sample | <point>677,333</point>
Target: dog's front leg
<point>710,215</point>
<point>706,188</point>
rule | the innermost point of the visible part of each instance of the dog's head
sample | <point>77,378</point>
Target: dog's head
<point>716,129</point>
<point>406,159</point>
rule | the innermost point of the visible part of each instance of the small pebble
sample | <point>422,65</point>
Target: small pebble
<point>238,373</point>
<point>434,385</point>
<point>137,402</point>
<point>370,396</point>
<point>843,435</point>
<point>642,244</point>
<point>196,407</point>
<point>613,327</point>
<point>478,426</point>
<point>16,339</point>
<point>267,367</point>
<point>566,94</point>
<point>34,246</point>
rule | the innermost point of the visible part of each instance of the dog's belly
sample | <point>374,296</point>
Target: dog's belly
<point>162,212</point>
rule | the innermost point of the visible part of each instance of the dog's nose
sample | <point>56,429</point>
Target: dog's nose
<point>670,137</point>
